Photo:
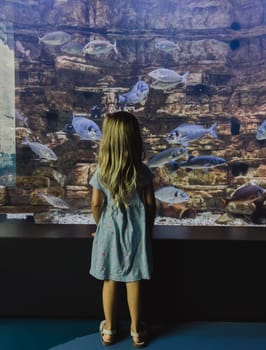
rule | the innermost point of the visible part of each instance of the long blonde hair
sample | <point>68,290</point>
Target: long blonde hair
<point>120,155</point>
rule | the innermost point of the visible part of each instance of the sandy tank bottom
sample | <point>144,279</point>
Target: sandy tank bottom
<point>84,217</point>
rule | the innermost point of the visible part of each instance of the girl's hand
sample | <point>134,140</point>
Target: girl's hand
<point>93,234</point>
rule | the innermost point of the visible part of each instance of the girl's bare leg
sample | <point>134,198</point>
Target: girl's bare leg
<point>134,304</point>
<point>109,295</point>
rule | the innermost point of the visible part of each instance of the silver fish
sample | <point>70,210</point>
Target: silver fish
<point>198,162</point>
<point>86,128</point>
<point>186,133</point>
<point>41,150</point>
<point>261,132</point>
<point>162,158</point>
<point>98,47</point>
<point>56,202</point>
<point>20,117</point>
<point>3,35</point>
<point>72,48</point>
<point>138,94</point>
<point>171,195</point>
<point>168,76</point>
<point>166,45</point>
<point>24,52</point>
<point>159,85</point>
<point>55,38</point>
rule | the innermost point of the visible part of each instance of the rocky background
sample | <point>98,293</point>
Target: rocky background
<point>221,43</point>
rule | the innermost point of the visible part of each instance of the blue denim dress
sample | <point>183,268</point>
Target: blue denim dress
<point>122,247</point>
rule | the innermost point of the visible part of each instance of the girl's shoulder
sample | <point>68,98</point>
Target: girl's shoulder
<point>95,180</point>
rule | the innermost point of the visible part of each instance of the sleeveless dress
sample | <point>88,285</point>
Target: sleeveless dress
<point>121,248</point>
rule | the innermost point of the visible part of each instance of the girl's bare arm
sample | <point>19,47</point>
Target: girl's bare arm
<point>97,200</point>
<point>150,206</point>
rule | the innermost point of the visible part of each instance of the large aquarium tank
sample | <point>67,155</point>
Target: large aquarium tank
<point>192,71</point>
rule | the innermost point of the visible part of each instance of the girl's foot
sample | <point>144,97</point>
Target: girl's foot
<point>107,335</point>
<point>140,339</point>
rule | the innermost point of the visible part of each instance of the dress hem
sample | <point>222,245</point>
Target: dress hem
<point>119,279</point>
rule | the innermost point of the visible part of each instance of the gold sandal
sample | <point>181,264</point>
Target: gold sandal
<point>104,331</point>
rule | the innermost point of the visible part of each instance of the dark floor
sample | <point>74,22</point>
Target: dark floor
<point>44,334</point>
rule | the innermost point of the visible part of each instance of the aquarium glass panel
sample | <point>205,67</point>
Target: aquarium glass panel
<point>192,72</point>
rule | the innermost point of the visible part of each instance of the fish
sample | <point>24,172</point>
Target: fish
<point>186,133</point>
<point>138,94</point>
<point>3,36</point>
<point>246,193</point>
<point>198,162</point>
<point>159,85</point>
<point>20,117</point>
<point>95,112</point>
<point>69,129</point>
<point>99,47</point>
<point>24,52</point>
<point>168,76</point>
<point>86,128</point>
<point>72,48</point>
<point>55,38</point>
<point>56,202</point>
<point>41,150</point>
<point>235,126</point>
<point>261,131</point>
<point>171,195</point>
<point>166,45</point>
<point>162,158</point>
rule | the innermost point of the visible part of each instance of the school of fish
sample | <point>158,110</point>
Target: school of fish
<point>162,79</point>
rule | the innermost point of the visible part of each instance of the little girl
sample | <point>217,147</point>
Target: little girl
<point>123,207</point>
